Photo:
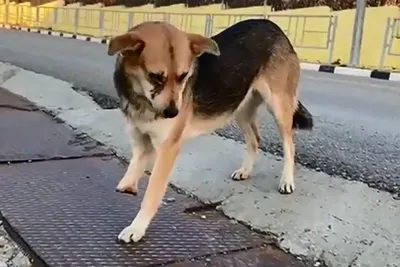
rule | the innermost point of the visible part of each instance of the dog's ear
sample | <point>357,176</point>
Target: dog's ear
<point>129,42</point>
<point>201,44</point>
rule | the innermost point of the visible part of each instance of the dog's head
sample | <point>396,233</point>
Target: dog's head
<point>159,59</point>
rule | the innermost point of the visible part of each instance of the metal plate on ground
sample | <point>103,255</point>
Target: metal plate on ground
<point>267,256</point>
<point>69,214</point>
<point>34,135</point>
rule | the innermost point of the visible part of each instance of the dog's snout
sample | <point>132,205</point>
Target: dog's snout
<point>171,111</point>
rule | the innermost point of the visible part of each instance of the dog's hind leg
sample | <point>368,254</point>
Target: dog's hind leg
<point>142,152</point>
<point>278,85</point>
<point>246,119</point>
<point>283,112</point>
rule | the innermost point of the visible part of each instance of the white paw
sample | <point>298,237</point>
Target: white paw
<point>132,233</point>
<point>286,186</point>
<point>240,174</point>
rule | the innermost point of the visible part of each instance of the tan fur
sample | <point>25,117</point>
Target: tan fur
<point>276,85</point>
<point>161,40</point>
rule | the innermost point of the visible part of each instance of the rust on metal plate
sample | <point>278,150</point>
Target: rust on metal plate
<point>267,256</point>
<point>10,100</point>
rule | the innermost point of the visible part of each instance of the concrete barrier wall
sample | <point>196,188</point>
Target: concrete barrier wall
<point>29,16</point>
<point>303,31</point>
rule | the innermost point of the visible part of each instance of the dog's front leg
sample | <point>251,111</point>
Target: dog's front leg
<point>156,188</point>
<point>142,151</point>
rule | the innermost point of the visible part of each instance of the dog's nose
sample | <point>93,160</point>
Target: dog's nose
<point>171,111</point>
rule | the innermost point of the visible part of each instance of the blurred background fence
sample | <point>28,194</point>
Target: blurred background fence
<point>321,30</point>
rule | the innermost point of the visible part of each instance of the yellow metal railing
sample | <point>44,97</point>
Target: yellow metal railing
<point>309,32</point>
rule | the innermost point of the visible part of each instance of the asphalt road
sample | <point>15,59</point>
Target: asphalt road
<point>357,120</point>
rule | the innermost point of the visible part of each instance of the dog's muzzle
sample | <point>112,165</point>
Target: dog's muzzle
<point>171,111</point>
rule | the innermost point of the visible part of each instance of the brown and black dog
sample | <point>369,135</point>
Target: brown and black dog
<point>175,85</point>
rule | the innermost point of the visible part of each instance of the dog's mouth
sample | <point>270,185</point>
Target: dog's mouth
<point>169,112</point>
<point>146,101</point>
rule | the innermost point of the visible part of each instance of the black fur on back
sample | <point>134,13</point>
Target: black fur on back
<point>223,81</point>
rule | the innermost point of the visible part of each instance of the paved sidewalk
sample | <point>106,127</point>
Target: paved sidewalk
<point>342,223</point>
<point>58,203</point>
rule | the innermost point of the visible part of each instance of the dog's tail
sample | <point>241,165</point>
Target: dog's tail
<point>302,118</point>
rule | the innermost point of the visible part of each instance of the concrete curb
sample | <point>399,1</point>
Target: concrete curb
<point>375,73</point>
<point>57,33</point>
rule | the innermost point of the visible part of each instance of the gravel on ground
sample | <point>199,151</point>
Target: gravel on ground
<point>10,254</point>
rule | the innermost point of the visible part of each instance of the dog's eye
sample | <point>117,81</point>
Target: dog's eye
<point>157,77</point>
<point>182,76</point>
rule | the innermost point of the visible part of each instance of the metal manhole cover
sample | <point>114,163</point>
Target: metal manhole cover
<point>70,215</point>
<point>33,135</point>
